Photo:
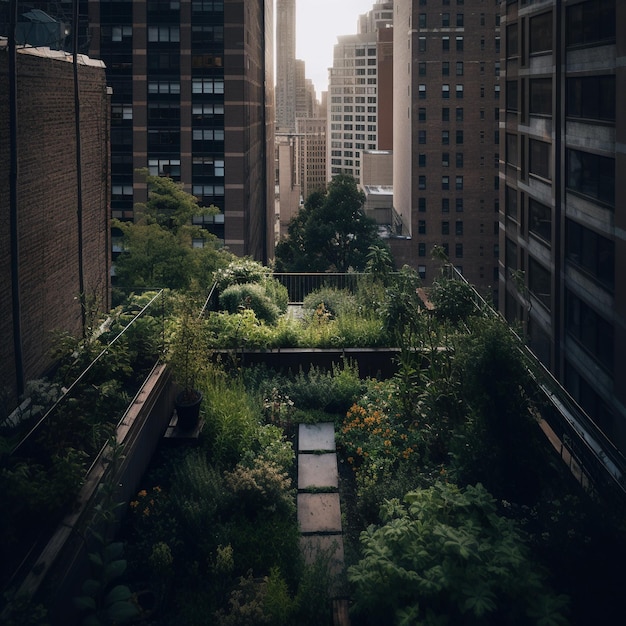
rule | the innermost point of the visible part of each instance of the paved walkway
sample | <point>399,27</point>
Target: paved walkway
<point>319,509</point>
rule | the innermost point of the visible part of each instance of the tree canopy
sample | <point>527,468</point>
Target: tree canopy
<point>158,248</point>
<point>330,232</point>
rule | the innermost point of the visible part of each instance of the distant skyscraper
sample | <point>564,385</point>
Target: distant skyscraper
<point>355,94</point>
<point>446,136</point>
<point>563,173</point>
<point>286,66</point>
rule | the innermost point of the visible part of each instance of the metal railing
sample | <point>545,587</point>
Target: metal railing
<point>301,285</point>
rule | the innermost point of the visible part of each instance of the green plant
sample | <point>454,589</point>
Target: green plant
<point>446,556</point>
<point>335,301</point>
<point>453,300</point>
<point>250,296</point>
<point>241,271</point>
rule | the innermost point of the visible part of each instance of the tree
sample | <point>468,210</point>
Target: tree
<point>331,231</point>
<point>158,246</point>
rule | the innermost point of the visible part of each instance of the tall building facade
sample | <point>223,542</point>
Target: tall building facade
<point>563,126</point>
<point>311,145</point>
<point>446,136</point>
<point>193,100</point>
<point>356,94</point>
<point>286,66</point>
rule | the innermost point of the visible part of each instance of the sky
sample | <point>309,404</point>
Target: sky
<point>318,23</point>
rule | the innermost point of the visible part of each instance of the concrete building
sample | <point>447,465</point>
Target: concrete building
<point>311,143</point>
<point>356,95</point>
<point>563,242</point>
<point>446,136</point>
<point>306,100</point>
<point>54,195</point>
<point>286,66</point>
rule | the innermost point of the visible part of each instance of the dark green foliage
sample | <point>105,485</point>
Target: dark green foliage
<point>453,300</point>
<point>250,296</point>
<point>336,301</point>
<point>447,557</point>
<point>331,232</point>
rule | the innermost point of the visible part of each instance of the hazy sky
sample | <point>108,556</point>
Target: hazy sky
<point>318,23</point>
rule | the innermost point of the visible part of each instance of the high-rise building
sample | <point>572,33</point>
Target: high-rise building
<point>311,142</point>
<point>563,261</point>
<point>356,94</point>
<point>446,136</point>
<point>286,66</point>
<point>306,101</point>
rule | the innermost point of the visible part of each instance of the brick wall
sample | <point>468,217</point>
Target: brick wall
<point>47,206</point>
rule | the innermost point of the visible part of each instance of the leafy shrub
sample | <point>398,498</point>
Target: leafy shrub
<point>241,271</point>
<point>446,556</point>
<point>336,301</point>
<point>242,330</point>
<point>250,296</point>
<point>453,300</point>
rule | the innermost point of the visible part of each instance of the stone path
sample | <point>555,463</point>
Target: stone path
<point>319,509</point>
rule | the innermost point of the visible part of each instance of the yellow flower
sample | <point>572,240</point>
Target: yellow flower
<point>143,493</point>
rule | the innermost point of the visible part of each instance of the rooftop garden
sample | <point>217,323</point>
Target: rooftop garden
<point>455,507</point>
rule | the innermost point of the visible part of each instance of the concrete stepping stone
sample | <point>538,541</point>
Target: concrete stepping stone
<point>312,437</point>
<point>317,470</point>
<point>319,513</point>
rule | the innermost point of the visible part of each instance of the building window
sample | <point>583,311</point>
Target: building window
<point>540,96</point>
<point>163,87</point>
<point>445,91</point>
<point>445,137</point>
<point>421,92</point>
<point>459,159</point>
<point>459,183</point>
<point>539,159</point>
<point>590,252</point>
<point>445,114</point>
<point>421,270</point>
<point>445,183</point>
<point>422,160</point>
<point>510,254</point>
<point>512,42</point>
<point>458,250</point>
<point>459,20</point>
<point>421,114</point>
<point>421,227</point>
<point>541,33</point>
<point>539,282</point>
<point>445,159</point>
<point>421,249</point>
<point>422,20</point>
<point>540,220</point>
<point>120,112</point>
<point>421,182</point>
<point>163,33</point>
<point>459,44</point>
<point>164,167</point>
<point>445,205</point>
<point>511,95</point>
<point>589,329</point>
<point>459,114</point>
<point>459,91</point>
<point>421,136</point>
<point>458,228</point>
<point>459,205</point>
<point>510,204</point>
<point>591,97</point>
<point>511,150</point>
<point>459,137</point>
<point>421,205</point>
<point>591,175</point>
<point>445,44</point>
<point>421,43</point>
<point>207,85</point>
<point>445,228</point>
<point>207,166</point>
<point>445,68</point>
<point>422,68</point>
<point>459,68</point>
<point>590,22</point>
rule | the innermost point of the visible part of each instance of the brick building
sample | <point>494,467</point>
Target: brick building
<point>42,282</point>
<point>446,136</point>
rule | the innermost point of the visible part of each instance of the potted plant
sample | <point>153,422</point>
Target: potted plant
<point>188,356</point>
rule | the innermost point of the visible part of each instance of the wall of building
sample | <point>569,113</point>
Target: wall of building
<point>47,205</point>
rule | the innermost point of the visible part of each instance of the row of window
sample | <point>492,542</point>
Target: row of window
<point>422,68</point>
<point>445,91</point>
<point>445,182</point>
<point>445,205</point>
<point>445,159</point>
<point>458,250</point>
<point>445,20</point>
